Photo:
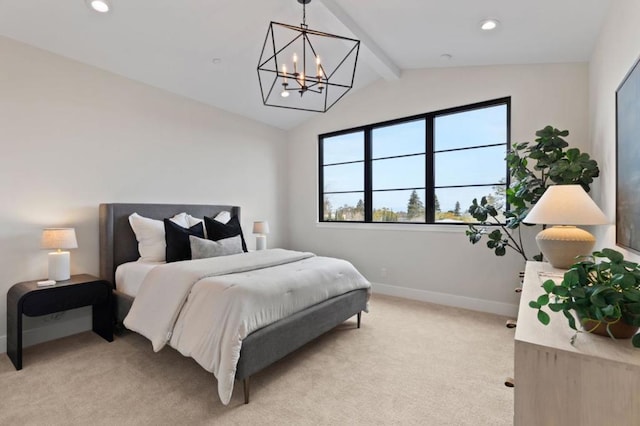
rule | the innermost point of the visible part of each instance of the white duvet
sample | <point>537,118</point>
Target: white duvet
<point>205,308</point>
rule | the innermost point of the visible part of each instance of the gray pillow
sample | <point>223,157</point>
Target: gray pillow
<point>201,248</point>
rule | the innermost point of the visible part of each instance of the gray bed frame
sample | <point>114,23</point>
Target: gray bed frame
<point>261,348</point>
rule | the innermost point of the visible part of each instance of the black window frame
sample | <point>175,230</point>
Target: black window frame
<point>430,187</point>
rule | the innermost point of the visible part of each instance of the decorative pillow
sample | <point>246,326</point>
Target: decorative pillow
<point>222,217</point>
<point>177,237</point>
<point>217,231</point>
<point>201,248</point>
<point>150,235</point>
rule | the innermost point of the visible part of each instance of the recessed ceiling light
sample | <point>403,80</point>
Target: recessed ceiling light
<point>489,24</point>
<point>216,61</point>
<point>101,6</point>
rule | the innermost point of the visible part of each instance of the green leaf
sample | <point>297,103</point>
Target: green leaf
<point>613,255</point>
<point>598,296</point>
<point>636,340</point>
<point>571,278</point>
<point>626,280</point>
<point>561,291</point>
<point>632,294</point>
<point>543,317</point>
<point>496,234</point>
<point>577,292</point>
<point>548,286</point>
<point>570,319</point>
<point>608,311</point>
<point>557,307</point>
<point>543,300</point>
<point>614,298</point>
<point>633,308</point>
<point>535,305</point>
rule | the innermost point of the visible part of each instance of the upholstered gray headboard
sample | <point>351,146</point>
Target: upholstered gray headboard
<point>118,243</point>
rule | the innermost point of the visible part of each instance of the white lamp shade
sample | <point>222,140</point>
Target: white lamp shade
<point>59,238</point>
<point>566,205</point>
<point>261,227</point>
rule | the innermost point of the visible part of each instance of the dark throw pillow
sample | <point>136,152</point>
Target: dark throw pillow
<point>177,239</point>
<point>218,231</point>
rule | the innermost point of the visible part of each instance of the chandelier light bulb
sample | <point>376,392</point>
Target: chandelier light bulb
<point>284,93</point>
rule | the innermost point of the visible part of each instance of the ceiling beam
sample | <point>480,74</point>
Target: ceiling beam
<point>381,63</point>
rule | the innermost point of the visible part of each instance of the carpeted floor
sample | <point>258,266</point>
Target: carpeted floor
<point>410,363</point>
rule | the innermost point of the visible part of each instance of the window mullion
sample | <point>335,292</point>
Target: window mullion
<point>321,212</point>
<point>368,173</point>
<point>429,192</point>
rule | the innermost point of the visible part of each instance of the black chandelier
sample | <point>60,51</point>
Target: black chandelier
<point>305,69</point>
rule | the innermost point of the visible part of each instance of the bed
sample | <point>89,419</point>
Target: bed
<point>260,348</point>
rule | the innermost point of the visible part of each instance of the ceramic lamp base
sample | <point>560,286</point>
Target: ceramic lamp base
<point>59,266</point>
<point>261,242</point>
<point>560,245</point>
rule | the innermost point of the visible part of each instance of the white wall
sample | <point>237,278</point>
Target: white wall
<point>617,49</point>
<point>73,136</point>
<point>435,263</point>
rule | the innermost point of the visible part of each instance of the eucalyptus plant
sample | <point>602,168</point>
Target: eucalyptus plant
<point>605,293</point>
<point>533,167</point>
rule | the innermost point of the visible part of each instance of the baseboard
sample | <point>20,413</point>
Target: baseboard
<point>55,330</point>
<point>481,305</point>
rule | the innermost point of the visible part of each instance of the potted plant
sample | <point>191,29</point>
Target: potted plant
<point>605,296</point>
<point>532,168</point>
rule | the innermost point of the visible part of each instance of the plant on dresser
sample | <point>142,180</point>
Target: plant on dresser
<point>604,295</point>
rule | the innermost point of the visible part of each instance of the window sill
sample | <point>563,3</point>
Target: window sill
<point>432,227</point>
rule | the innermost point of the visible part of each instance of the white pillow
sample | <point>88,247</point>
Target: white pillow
<point>150,235</point>
<point>223,217</point>
<point>202,248</point>
<point>193,220</point>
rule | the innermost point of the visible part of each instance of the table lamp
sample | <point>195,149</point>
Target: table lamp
<point>261,229</point>
<point>565,206</point>
<point>59,261</point>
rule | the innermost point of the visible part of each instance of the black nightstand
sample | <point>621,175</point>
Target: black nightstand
<point>29,299</point>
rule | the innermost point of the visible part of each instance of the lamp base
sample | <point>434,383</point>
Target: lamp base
<point>59,269</point>
<point>560,245</point>
<point>261,242</point>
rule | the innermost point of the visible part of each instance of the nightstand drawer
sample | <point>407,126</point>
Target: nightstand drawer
<point>27,298</point>
<point>44,302</point>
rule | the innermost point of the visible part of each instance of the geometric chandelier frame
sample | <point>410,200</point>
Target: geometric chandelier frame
<point>304,69</point>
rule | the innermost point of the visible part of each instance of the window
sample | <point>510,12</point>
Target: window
<point>421,169</point>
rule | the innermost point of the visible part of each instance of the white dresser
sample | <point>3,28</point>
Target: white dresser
<point>594,382</point>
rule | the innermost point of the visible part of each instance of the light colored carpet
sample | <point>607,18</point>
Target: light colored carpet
<point>410,363</point>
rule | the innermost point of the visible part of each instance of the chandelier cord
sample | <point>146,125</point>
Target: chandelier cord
<point>304,14</point>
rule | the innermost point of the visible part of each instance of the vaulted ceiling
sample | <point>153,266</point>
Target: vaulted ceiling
<point>208,50</point>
